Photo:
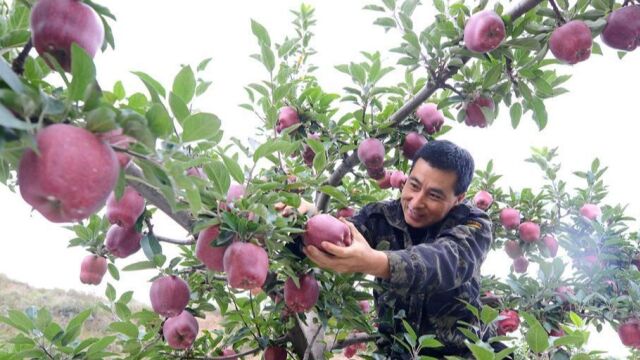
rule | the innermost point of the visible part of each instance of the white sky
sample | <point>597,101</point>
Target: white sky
<point>597,118</point>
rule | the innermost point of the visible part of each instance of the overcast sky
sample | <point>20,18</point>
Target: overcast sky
<point>598,117</point>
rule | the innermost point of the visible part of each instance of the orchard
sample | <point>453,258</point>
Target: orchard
<point>104,164</point>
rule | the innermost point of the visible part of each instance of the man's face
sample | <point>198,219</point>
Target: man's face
<point>428,195</point>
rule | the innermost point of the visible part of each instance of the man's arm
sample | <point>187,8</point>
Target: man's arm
<point>445,264</point>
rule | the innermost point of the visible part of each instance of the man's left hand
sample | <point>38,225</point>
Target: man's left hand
<point>358,257</point>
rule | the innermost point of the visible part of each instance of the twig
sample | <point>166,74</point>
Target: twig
<point>559,16</point>
<point>18,63</point>
<point>354,339</point>
<point>254,313</point>
<point>458,92</point>
<point>176,241</point>
<point>509,67</point>
<point>313,341</point>
<point>132,153</point>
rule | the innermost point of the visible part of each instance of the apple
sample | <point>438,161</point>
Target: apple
<point>125,211</point>
<point>197,172</point>
<point>308,154</point>
<point>563,293</point>
<point>430,117</point>
<point>116,138</point>
<point>371,153</point>
<point>556,332</point>
<point>211,256</point>
<point>275,353</point>
<point>571,43</point>
<point>513,249</point>
<point>622,31</point>
<point>590,211</point>
<point>180,331</point>
<point>551,243</point>
<point>475,116</point>
<point>56,24</point>
<point>345,212</point>
<point>412,143</point>
<point>629,333</point>
<point>529,231</point>
<point>397,180</point>
<point>71,176</point>
<point>228,352</point>
<point>376,173</point>
<point>483,199</point>
<point>246,265</point>
<point>324,227</point>
<point>303,298</point>
<point>520,264</point>
<point>484,31</point>
<point>169,295</point>
<point>122,242</point>
<point>287,117</point>
<point>509,322</point>
<point>510,218</point>
<point>385,182</point>
<point>364,305</point>
<point>92,269</point>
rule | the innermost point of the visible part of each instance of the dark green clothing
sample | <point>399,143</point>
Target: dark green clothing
<point>430,270</point>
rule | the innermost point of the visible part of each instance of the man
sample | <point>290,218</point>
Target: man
<point>425,249</point>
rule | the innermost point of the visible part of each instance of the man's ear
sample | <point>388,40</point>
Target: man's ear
<point>460,198</point>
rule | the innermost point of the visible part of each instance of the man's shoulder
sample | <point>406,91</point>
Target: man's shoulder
<point>468,214</point>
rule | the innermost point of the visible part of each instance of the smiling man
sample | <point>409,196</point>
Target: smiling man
<point>425,250</point>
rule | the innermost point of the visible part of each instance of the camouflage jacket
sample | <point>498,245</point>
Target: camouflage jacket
<point>431,269</point>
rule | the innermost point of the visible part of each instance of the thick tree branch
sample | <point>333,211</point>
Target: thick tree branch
<point>406,109</point>
<point>354,339</point>
<point>157,199</point>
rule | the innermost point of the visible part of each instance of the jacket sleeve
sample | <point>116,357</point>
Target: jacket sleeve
<point>445,264</point>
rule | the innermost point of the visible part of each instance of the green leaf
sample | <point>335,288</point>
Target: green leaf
<point>217,172</point>
<point>203,64</point>
<point>178,107</point>
<point>270,147</point>
<point>516,114</point>
<point>20,321</point>
<point>75,326</point>
<point>156,90</point>
<point>480,352</point>
<point>492,76</point>
<point>125,328</point>
<point>537,337</point>
<point>385,22</point>
<point>100,345</point>
<point>9,77</point>
<point>160,122</point>
<point>261,33</point>
<point>488,314</point>
<point>7,120</point>
<point>575,319</point>
<point>113,270</point>
<point>409,330</point>
<point>524,43</point>
<point>319,161</point>
<point>429,341</point>
<point>334,193</point>
<point>184,84</point>
<point>200,126</point>
<point>150,246</point>
<point>234,169</point>
<point>439,5</point>
<point>122,311</point>
<point>142,265</point>
<point>268,58</point>
<point>101,119</point>
<point>539,112</point>
<point>83,71</point>
<point>110,292</point>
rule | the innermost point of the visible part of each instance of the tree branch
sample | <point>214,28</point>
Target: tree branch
<point>354,339</point>
<point>406,109</point>
<point>18,63</point>
<point>186,242</point>
<point>559,16</point>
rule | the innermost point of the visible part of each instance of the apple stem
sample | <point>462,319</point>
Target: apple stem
<point>561,19</point>
<point>18,62</point>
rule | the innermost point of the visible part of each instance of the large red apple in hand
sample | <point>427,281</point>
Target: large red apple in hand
<point>56,24</point>
<point>71,176</point>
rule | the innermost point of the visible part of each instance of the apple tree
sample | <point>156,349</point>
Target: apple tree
<point>70,147</point>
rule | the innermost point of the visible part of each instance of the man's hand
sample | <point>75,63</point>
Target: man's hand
<point>358,257</point>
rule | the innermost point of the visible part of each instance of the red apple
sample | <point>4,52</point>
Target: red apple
<point>552,244</point>
<point>345,212</point>
<point>509,322</point>
<point>287,117</point>
<point>125,211</point>
<point>563,292</point>
<point>510,218</point>
<point>397,180</point>
<point>475,116</point>
<point>122,242</point>
<point>629,333</point>
<point>385,182</point>
<point>529,231</point>
<point>520,264</point>
<point>180,331</point>
<point>211,256</point>
<point>376,173</point>
<point>484,31</point>
<point>275,353</point>
<point>556,332</point>
<point>412,143</point>
<point>92,269</point>
<point>590,211</point>
<point>513,249</point>
<point>235,192</point>
<point>371,153</point>
<point>324,227</point>
<point>622,31</point>
<point>116,138</point>
<point>364,305</point>
<point>56,24</point>
<point>72,175</point>
<point>483,199</point>
<point>308,154</point>
<point>571,43</point>
<point>304,298</point>
<point>246,265</point>
<point>430,117</point>
<point>169,295</point>
<point>197,172</point>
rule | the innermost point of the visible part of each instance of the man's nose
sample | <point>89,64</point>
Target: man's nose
<point>416,201</point>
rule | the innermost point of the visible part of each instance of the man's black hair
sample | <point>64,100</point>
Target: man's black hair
<point>445,155</point>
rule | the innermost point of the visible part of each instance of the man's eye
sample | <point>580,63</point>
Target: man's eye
<point>414,186</point>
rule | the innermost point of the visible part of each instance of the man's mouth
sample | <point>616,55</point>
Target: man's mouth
<point>414,215</point>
